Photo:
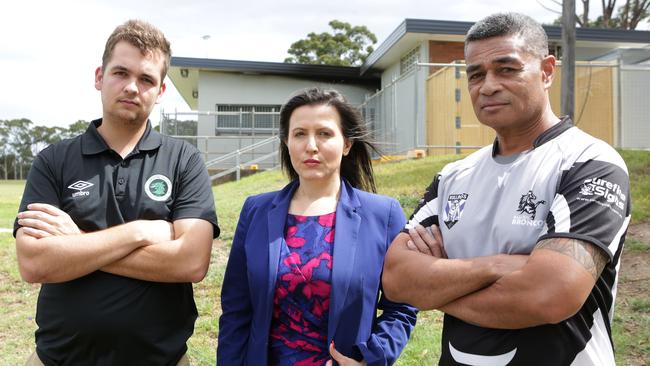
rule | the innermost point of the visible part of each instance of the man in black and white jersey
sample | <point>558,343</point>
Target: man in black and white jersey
<point>519,244</point>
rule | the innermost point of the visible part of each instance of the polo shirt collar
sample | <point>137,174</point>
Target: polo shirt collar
<point>151,139</point>
<point>93,143</point>
<point>546,136</point>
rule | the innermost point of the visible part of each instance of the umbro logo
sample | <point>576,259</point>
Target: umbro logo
<point>79,186</point>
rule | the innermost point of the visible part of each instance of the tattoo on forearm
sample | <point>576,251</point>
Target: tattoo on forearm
<point>592,258</point>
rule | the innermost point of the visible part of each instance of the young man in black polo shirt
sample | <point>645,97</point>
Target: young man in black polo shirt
<point>117,223</point>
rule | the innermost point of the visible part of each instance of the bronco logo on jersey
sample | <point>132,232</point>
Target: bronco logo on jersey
<point>527,204</point>
<point>527,210</point>
<point>454,208</point>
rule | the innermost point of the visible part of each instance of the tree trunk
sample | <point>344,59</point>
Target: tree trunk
<point>608,10</point>
<point>639,12</point>
<point>625,20</point>
<point>585,13</point>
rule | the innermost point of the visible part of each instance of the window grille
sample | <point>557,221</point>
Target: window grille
<point>408,62</point>
<point>247,119</point>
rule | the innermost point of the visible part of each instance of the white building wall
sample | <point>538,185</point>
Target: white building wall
<point>231,88</point>
<point>389,75</point>
<point>591,53</point>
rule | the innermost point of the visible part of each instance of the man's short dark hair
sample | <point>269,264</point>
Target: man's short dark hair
<point>142,35</point>
<point>511,24</point>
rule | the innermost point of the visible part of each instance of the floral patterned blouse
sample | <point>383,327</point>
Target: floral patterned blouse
<point>302,293</point>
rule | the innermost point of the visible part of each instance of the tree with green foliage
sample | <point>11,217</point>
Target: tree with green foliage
<point>16,151</point>
<point>4,148</point>
<point>43,136</point>
<point>633,12</point>
<point>76,128</point>
<point>21,141</point>
<point>345,46</point>
<point>628,16</point>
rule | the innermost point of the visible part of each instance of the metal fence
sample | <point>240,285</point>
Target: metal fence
<point>392,114</point>
<point>246,159</point>
<point>234,141</point>
<point>429,108</point>
<point>634,107</point>
<point>426,108</point>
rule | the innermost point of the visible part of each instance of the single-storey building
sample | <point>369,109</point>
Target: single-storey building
<point>412,90</point>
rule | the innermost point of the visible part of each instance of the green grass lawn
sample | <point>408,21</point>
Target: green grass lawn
<point>638,164</point>
<point>405,181</point>
<point>11,191</point>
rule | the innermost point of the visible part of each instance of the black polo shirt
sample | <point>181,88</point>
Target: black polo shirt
<point>101,318</point>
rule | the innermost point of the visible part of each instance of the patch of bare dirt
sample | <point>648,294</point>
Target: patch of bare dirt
<point>635,264</point>
<point>634,285</point>
<point>640,232</point>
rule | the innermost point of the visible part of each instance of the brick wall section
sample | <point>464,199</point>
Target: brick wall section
<point>445,52</point>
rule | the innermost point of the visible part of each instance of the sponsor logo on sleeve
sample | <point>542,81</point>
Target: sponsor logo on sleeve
<point>527,210</point>
<point>80,187</point>
<point>158,187</point>
<point>604,193</point>
<point>454,208</point>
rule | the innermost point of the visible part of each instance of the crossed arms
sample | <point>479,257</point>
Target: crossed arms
<point>501,291</point>
<point>51,248</point>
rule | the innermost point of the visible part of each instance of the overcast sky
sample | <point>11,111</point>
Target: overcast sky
<point>49,49</point>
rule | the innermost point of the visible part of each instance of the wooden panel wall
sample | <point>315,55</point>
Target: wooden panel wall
<point>594,108</point>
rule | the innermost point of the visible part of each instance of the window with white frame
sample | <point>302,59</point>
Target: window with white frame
<point>408,62</point>
<point>247,119</point>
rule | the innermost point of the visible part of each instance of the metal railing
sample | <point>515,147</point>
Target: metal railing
<point>237,156</point>
<point>241,138</point>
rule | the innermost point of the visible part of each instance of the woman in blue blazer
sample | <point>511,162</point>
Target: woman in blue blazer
<point>303,281</point>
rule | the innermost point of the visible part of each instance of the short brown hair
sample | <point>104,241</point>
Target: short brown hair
<point>142,35</point>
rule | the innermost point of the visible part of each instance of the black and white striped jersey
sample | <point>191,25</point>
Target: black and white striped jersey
<point>569,184</point>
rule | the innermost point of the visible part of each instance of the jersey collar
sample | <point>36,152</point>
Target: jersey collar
<point>93,143</point>
<point>553,132</point>
<point>546,136</point>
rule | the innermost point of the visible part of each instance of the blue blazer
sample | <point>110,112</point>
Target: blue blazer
<point>366,224</point>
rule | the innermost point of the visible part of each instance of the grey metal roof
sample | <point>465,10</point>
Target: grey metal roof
<point>327,72</point>
<point>447,27</point>
<point>601,35</point>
